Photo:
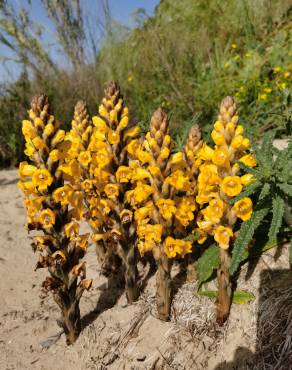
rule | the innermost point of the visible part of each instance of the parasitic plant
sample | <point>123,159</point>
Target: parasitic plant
<point>54,210</point>
<point>104,188</point>
<point>219,182</point>
<point>162,200</point>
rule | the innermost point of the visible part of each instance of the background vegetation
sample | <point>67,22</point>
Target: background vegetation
<point>186,58</point>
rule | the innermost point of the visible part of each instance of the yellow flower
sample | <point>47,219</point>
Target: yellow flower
<point>231,185</point>
<point>140,173</point>
<point>237,142</point>
<point>150,232</point>
<point>123,122</point>
<point>218,138</point>
<point>145,246</point>
<point>100,124</point>
<point>208,176</point>
<point>164,154</point>
<point>62,194</point>
<point>59,136</point>
<point>133,131</point>
<point>222,236</point>
<point>38,143</point>
<point>172,247</point>
<point>34,205</point>
<point>28,130</point>
<point>214,211</point>
<point>204,196</point>
<point>185,210</point>
<point>54,155</point>
<point>47,218</point>
<point>113,137</point>
<point>206,153</point>
<point>249,160</point>
<point>84,158</point>
<point>71,230</point>
<point>133,147</point>
<point>205,226</point>
<point>179,181</point>
<point>102,158</point>
<point>113,116</point>
<point>49,129</point>
<point>221,157</point>
<point>124,174</point>
<point>239,130</point>
<point>42,178</point>
<point>154,170</point>
<point>219,126</point>
<point>143,156</point>
<point>243,208</point>
<point>26,170</point>
<point>143,214</point>
<point>139,194</point>
<point>102,111</point>
<point>111,191</point>
<point>247,179</point>
<point>166,208</point>
<point>72,169</point>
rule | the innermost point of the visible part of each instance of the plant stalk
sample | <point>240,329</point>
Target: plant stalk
<point>223,301</point>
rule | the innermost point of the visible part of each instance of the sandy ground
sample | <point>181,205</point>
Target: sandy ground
<point>115,335</point>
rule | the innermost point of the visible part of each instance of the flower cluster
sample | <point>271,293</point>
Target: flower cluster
<point>53,208</point>
<point>99,153</point>
<point>219,180</point>
<point>162,191</point>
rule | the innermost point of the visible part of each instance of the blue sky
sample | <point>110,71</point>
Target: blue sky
<point>121,11</point>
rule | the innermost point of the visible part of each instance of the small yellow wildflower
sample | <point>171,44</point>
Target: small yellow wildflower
<point>231,185</point>
<point>41,179</point>
<point>113,137</point>
<point>214,211</point>
<point>47,218</point>
<point>243,208</point>
<point>71,230</point>
<point>166,207</point>
<point>222,236</point>
<point>111,191</point>
<point>124,174</point>
<point>249,160</point>
<point>84,158</point>
<point>62,194</point>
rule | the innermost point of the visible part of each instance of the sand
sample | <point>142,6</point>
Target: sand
<point>115,335</point>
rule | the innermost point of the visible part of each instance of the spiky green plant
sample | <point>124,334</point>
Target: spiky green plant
<point>272,191</point>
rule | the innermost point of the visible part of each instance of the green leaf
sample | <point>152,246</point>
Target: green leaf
<point>265,191</point>
<point>267,145</point>
<point>278,212</point>
<point>250,189</point>
<point>239,296</point>
<point>263,161</point>
<point>286,188</point>
<point>207,263</point>
<point>248,169</point>
<point>242,297</point>
<point>245,235</point>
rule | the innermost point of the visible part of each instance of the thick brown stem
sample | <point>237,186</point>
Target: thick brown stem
<point>71,322</point>
<point>163,288</point>
<point>108,259</point>
<point>131,276</point>
<point>223,302</point>
<point>191,268</point>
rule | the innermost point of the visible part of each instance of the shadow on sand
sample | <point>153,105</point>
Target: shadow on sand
<point>274,327</point>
